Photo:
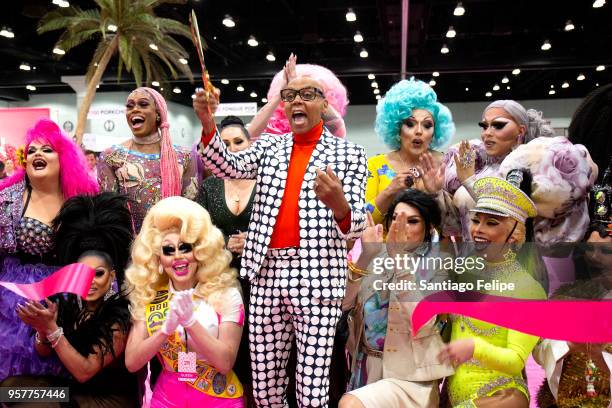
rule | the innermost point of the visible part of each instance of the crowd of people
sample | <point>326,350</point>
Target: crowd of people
<point>243,272</point>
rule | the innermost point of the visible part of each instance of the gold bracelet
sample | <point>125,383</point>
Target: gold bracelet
<point>353,268</point>
<point>351,279</point>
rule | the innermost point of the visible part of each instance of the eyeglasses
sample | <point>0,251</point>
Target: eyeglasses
<point>183,248</point>
<point>307,94</point>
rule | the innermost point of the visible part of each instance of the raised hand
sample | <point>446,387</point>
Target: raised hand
<point>42,319</point>
<point>205,104</point>
<point>328,188</point>
<point>289,70</point>
<point>372,238</point>
<point>432,173</point>
<point>171,322</point>
<point>465,161</point>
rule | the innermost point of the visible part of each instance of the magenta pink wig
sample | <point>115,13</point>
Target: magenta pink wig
<point>170,174</point>
<point>334,91</point>
<point>74,175</point>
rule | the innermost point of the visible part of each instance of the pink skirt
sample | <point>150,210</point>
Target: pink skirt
<point>169,392</point>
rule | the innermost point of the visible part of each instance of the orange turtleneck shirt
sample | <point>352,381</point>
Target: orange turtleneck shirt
<point>287,230</point>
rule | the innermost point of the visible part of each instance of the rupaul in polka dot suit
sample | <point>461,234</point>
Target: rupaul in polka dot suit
<point>309,201</point>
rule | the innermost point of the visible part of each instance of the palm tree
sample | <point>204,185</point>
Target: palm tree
<point>130,27</point>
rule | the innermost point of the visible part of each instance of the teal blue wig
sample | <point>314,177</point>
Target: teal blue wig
<point>397,106</point>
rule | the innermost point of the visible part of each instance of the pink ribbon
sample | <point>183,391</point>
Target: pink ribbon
<point>579,321</point>
<point>74,278</point>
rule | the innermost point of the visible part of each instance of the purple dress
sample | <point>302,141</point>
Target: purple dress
<point>26,256</point>
<point>138,175</point>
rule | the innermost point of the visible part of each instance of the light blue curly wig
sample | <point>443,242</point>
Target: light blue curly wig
<point>397,105</point>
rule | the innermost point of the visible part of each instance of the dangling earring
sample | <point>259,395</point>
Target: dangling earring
<point>110,292</point>
<point>160,269</point>
<point>510,255</point>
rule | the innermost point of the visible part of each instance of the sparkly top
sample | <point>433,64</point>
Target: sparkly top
<point>138,175</point>
<point>34,237</point>
<point>499,353</point>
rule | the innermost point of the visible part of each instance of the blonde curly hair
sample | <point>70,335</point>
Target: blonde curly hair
<point>193,224</point>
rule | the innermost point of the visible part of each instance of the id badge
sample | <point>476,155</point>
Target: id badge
<point>187,366</point>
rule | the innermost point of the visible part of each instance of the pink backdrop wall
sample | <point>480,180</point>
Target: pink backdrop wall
<point>15,122</point>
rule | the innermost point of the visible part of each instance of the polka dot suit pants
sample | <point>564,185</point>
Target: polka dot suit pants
<point>278,312</point>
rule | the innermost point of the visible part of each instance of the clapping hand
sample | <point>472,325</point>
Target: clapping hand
<point>182,302</point>
<point>41,318</point>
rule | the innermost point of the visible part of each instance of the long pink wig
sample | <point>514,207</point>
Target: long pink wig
<point>334,91</point>
<point>74,174</point>
<point>170,174</point>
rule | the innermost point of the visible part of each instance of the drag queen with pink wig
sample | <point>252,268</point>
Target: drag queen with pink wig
<point>55,170</point>
<point>271,118</point>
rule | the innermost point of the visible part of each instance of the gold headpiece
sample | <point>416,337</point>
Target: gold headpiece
<point>499,197</point>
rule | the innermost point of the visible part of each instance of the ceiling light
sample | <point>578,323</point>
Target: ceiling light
<point>56,2</point>
<point>264,100</point>
<point>488,94</point>
<point>508,87</point>
<point>432,82</point>
<point>580,77</point>
<point>240,88</point>
<point>350,15</point>
<point>193,96</point>
<point>63,3</point>
<point>228,21</point>
<point>505,80</point>
<point>552,92</point>
<point>176,90</point>
<point>225,81</point>
<point>112,27</point>
<point>153,47</point>
<point>371,76</point>
<point>363,53</point>
<point>459,10</point>
<point>58,51</point>
<point>546,46</point>
<point>600,68</point>
<point>270,57</point>
<point>569,26</point>
<point>377,97</point>
<point>376,91</point>
<point>496,87</point>
<point>435,74</point>
<point>599,3</point>
<point>565,85</point>
<point>7,32</point>
<point>374,84</point>
<point>253,95</point>
<point>451,33</point>
<point>596,83</point>
<point>444,49</point>
<point>25,66</point>
<point>155,83</point>
<point>467,89</point>
<point>516,71</point>
<point>358,37</point>
<point>30,87</point>
<point>252,41</point>
<point>552,86</point>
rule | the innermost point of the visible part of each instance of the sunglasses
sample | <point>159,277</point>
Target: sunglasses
<point>307,94</point>
<point>183,248</point>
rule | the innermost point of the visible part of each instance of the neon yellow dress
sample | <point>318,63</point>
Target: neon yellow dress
<point>380,174</point>
<point>499,353</point>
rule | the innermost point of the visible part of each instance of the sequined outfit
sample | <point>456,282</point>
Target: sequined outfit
<point>499,353</point>
<point>26,256</point>
<point>138,175</point>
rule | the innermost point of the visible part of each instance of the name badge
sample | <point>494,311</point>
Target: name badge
<point>187,366</point>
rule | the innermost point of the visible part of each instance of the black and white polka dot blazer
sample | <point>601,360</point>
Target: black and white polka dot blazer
<point>322,251</point>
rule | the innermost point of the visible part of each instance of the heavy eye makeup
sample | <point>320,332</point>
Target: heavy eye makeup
<point>100,273</point>
<point>183,248</point>
<point>428,124</point>
<point>45,149</point>
<point>497,125</point>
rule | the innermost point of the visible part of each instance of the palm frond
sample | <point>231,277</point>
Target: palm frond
<point>68,40</point>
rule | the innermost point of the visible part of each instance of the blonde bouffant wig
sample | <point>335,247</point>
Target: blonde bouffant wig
<point>193,224</point>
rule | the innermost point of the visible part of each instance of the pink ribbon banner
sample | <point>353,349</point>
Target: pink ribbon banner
<point>74,278</point>
<point>579,321</point>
